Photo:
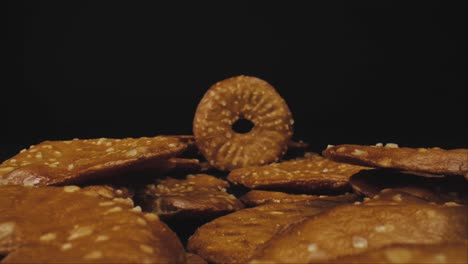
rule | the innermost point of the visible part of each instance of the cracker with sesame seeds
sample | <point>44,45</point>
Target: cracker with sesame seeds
<point>197,196</point>
<point>225,107</point>
<point>433,189</point>
<point>234,238</point>
<point>69,224</point>
<point>390,218</point>
<point>390,156</point>
<point>312,173</point>
<point>76,161</point>
<point>455,252</point>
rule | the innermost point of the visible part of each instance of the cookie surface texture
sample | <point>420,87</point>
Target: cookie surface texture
<point>228,103</point>
<point>312,173</point>
<point>390,156</point>
<point>75,161</point>
<point>73,225</point>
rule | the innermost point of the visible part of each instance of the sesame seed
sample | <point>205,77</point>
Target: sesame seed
<point>146,249</point>
<point>141,221</point>
<point>151,217</point>
<point>276,213</point>
<point>126,201</point>
<point>136,209</point>
<point>132,153</point>
<point>102,238</point>
<point>452,204</point>
<point>312,248</point>
<point>71,188</point>
<point>383,228</point>
<point>114,210</point>
<point>359,242</point>
<point>80,232</point>
<point>48,237</point>
<point>109,149</point>
<point>66,246</point>
<point>397,198</point>
<point>96,254</point>
<point>107,203</point>
<point>391,145</point>
<point>6,229</point>
<point>359,152</point>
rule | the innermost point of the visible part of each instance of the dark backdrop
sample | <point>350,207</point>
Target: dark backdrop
<point>351,73</point>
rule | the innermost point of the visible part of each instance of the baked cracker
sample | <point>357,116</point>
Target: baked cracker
<point>432,189</point>
<point>312,173</point>
<point>233,238</point>
<point>69,224</point>
<point>390,156</point>
<point>197,196</point>
<point>390,218</point>
<point>76,161</point>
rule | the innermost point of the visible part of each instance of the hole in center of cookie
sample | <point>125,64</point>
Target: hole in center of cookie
<point>242,126</point>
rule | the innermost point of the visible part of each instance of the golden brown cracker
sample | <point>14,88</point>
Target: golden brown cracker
<point>242,98</point>
<point>390,218</point>
<point>233,238</point>
<point>433,189</point>
<point>197,196</point>
<point>313,173</point>
<point>419,253</point>
<point>425,160</point>
<point>69,224</point>
<point>75,161</point>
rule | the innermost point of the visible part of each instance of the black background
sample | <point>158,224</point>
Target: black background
<point>379,71</point>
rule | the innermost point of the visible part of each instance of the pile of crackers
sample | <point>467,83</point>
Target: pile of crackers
<point>157,200</point>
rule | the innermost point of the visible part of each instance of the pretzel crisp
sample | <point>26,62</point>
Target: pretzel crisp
<point>432,189</point>
<point>390,218</point>
<point>76,161</point>
<point>312,173</point>
<point>390,156</point>
<point>233,238</point>
<point>73,225</point>
<point>197,196</point>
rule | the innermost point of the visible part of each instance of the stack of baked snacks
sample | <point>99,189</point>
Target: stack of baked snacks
<point>233,193</point>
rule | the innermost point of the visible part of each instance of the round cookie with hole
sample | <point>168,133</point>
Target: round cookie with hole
<point>242,121</point>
